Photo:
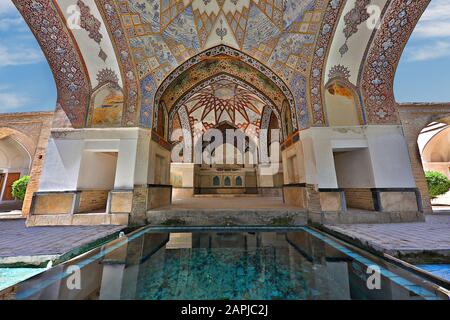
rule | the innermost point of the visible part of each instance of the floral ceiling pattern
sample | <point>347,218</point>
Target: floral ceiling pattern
<point>141,42</point>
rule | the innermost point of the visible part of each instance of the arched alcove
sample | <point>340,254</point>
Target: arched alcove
<point>342,104</point>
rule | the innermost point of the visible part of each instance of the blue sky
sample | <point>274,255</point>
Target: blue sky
<point>26,82</point>
<point>423,72</point>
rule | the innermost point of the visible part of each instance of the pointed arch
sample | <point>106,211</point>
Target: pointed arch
<point>64,59</point>
<point>380,65</point>
<point>232,62</point>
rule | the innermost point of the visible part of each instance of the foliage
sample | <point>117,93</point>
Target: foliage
<point>19,187</point>
<point>438,183</point>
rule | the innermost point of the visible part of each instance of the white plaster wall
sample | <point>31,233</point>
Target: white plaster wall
<point>64,154</point>
<point>157,151</point>
<point>293,167</point>
<point>357,43</point>
<point>390,158</point>
<point>61,165</point>
<point>388,154</point>
<point>97,171</point>
<point>354,169</point>
<point>186,171</point>
<point>88,47</point>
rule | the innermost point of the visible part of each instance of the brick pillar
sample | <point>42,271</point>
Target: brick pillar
<point>36,167</point>
<point>412,126</point>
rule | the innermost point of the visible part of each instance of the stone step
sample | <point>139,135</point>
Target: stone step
<point>231,195</point>
<point>224,217</point>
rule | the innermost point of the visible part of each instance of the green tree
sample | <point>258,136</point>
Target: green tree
<point>438,183</point>
<point>19,187</point>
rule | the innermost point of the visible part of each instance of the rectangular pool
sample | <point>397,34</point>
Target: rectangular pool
<point>227,264</point>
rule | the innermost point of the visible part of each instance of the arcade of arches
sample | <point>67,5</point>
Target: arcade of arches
<point>159,100</point>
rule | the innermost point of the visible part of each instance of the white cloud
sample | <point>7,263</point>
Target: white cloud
<point>437,10</point>
<point>19,56</point>
<point>431,37</point>
<point>14,24</point>
<point>433,29</point>
<point>6,7</point>
<point>435,50</point>
<point>11,101</point>
<point>435,22</point>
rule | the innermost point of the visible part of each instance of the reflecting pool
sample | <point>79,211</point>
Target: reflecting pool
<point>197,264</point>
<point>11,276</point>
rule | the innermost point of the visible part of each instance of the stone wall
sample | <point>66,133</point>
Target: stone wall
<point>359,198</point>
<point>92,201</point>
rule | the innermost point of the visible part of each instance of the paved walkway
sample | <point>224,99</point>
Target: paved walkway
<point>36,245</point>
<point>404,238</point>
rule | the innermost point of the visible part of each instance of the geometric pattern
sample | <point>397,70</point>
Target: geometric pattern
<point>225,101</point>
<point>383,58</point>
<point>131,87</point>
<point>288,41</point>
<point>164,34</point>
<point>245,114</point>
<point>64,60</point>
<point>329,24</point>
<point>220,60</point>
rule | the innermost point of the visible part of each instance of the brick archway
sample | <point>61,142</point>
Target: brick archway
<point>414,118</point>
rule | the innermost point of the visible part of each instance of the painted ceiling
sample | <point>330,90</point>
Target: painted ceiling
<point>225,101</point>
<point>136,44</point>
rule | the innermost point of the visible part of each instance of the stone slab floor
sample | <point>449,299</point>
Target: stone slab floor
<point>402,238</point>
<point>38,244</point>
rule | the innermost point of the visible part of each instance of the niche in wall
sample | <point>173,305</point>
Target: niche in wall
<point>342,105</point>
<point>354,175</point>
<point>292,169</point>
<point>107,106</point>
<point>162,166</point>
<point>95,180</point>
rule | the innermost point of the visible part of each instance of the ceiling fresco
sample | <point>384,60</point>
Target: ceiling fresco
<point>225,101</point>
<point>138,44</point>
<point>163,35</point>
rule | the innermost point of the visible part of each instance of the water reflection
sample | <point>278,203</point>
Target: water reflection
<point>212,265</point>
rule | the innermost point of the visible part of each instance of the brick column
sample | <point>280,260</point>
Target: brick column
<point>36,167</point>
<point>415,117</point>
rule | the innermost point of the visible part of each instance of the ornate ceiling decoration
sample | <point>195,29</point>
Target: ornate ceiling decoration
<point>64,59</point>
<point>383,56</point>
<point>280,34</point>
<point>225,101</point>
<point>143,45</point>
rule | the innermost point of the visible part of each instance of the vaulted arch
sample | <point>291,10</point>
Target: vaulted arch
<point>223,62</point>
<point>64,58</point>
<point>383,56</point>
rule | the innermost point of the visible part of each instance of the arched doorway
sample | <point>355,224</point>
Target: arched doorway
<point>225,116</point>
<point>15,162</point>
<point>434,148</point>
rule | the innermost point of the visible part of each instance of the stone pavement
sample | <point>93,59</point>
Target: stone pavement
<point>432,236</point>
<point>37,245</point>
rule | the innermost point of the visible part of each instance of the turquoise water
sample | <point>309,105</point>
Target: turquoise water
<point>193,264</point>
<point>439,270</point>
<point>11,276</point>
